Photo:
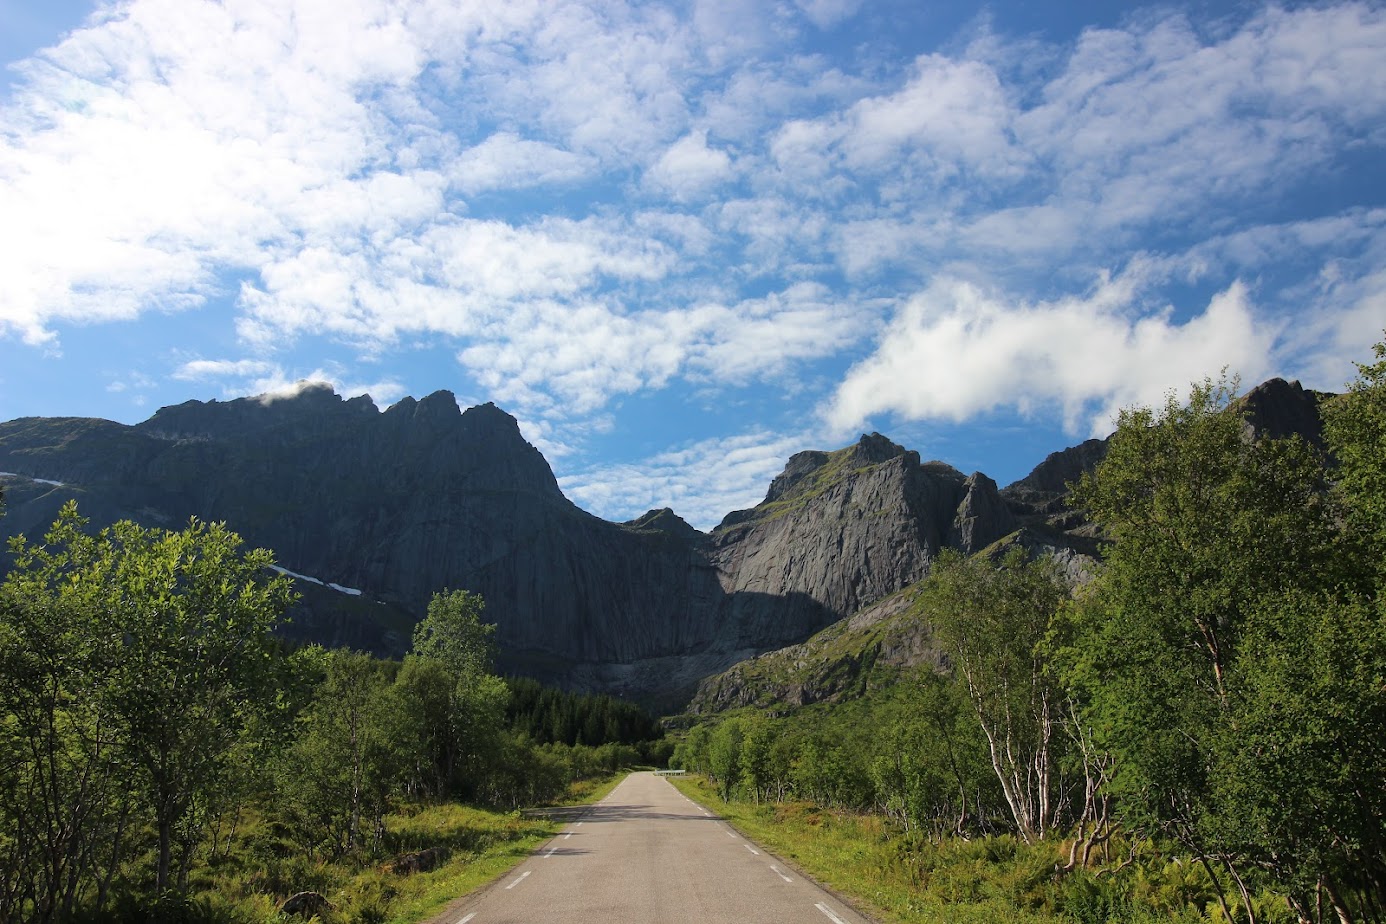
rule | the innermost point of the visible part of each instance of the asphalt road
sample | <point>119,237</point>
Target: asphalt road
<point>648,855</point>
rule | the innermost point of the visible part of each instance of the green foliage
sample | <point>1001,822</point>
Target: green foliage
<point>992,619</point>
<point>1355,428</point>
<point>546,715</point>
<point>453,634</point>
<point>1225,658</point>
<point>344,769</point>
<point>137,668</point>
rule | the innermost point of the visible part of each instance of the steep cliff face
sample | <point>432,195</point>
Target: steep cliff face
<point>393,506</point>
<point>397,505</point>
<point>422,497</point>
<point>840,530</point>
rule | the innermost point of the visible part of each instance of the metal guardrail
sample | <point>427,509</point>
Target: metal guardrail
<point>670,772</point>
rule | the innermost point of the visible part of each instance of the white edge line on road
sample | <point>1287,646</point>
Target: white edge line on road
<point>780,874</point>
<point>526,873</point>
<point>731,835</point>
<point>751,849</point>
<point>826,910</point>
<point>551,850</point>
<point>568,835</point>
<point>467,918</point>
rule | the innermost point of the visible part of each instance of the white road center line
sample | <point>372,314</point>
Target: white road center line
<point>780,874</point>
<point>826,910</point>
<point>525,875</point>
<point>751,849</point>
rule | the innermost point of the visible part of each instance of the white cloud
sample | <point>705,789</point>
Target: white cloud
<point>507,161</point>
<point>689,168</point>
<point>958,350</point>
<point>556,359</point>
<point>197,369</point>
<point>828,13</point>
<point>380,172</point>
<point>701,482</point>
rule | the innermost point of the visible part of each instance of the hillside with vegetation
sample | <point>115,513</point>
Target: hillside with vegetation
<point>1196,732</point>
<point>1190,727</point>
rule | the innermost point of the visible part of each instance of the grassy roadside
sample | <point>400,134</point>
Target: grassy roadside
<point>248,882</point>
<point>856,856</point>
<point>430,893</point>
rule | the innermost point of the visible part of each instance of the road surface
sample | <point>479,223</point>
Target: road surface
<point>648,855</point>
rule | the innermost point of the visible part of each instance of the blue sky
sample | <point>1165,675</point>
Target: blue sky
<point>680,242</point>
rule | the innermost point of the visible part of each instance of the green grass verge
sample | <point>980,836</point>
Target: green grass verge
<point>856,856</point>
<point>432,892</point>
<point>896,878</point>
<point>248,882</point>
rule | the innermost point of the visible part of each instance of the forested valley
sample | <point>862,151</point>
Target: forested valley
<point>164,757</point>
<point>1197,734</point>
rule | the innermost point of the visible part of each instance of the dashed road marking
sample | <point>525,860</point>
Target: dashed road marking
<point>525,875</point>
<point>828,911</point>
<point>730,835</point>
<point>780,874</point>
<point>751,849</point>
<point>467,918</point>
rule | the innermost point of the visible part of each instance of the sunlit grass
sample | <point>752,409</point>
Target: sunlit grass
<point>251,880</point>
<point>898,879</point>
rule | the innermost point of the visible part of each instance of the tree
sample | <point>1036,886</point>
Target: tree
<point>348,761</point>
<point>992,619</point>
<point>196,661</point>
<point>65,807</point>
<point>457,706</point>
<point>164,658</point>
<point>1209,526</point>
<point>453,634</point>
<point>1355,429</point>
<point>724,756</point>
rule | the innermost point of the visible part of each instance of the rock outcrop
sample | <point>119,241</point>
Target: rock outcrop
<point>374,512</point>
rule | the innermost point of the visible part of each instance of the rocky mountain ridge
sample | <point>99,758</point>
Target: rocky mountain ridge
<point>874,644</point>
<point>423,496</point>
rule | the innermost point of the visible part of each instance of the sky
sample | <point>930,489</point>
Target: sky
<point>680,242</point>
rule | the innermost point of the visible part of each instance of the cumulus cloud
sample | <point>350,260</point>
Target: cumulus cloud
<point>957,350</point>
<point>689,168</point>
<point>507,161</point>
<point>582,200</point>
<point>563,359</point>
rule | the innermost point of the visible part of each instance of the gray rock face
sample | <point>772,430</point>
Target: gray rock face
<point>1278,409</point>
<point>425,497</point>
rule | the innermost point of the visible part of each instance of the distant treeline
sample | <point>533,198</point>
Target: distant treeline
<point>550,716</point>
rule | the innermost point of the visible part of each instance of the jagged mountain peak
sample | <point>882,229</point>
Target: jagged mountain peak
<point>664,520</point>
<point>873,449</point>
<point>1278,408</point>
<point>812,470</point>
<point>306,402</point>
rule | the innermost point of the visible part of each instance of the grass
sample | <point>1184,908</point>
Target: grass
<point>899,879</point>
<point>251,881</point>
<point>439,888</point>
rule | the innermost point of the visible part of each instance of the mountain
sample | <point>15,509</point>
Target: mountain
<point>870,647</point>
<point>374,511</point>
